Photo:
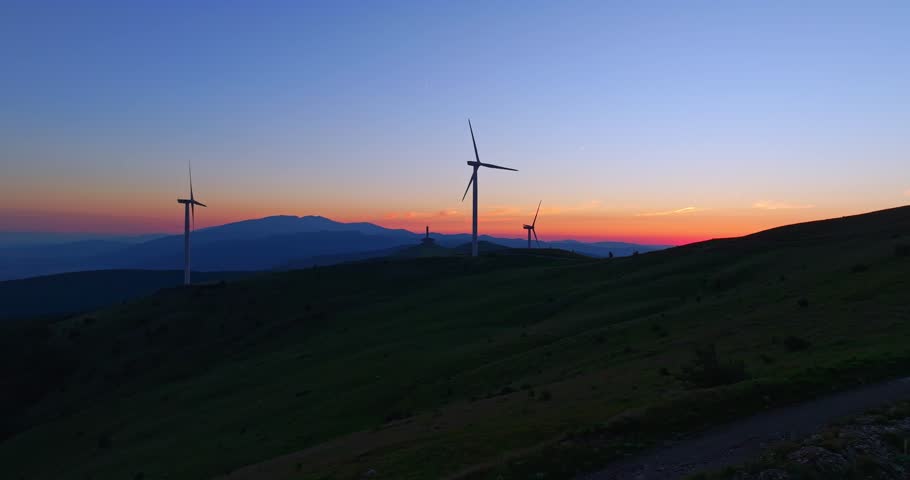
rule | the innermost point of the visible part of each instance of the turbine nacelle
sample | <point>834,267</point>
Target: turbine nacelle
<point>490,165</point>
<point>191,202</point>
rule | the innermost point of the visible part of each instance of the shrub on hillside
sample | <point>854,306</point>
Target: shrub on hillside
<point>796,344</point>
<point>902,250</point>
<point>706,370</point>
<point>104,441</point>
<point>398,415</point>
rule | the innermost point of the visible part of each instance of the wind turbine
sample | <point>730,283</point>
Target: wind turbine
<point>530,228</point>
<point>473,181</point>
<point>189,206</point>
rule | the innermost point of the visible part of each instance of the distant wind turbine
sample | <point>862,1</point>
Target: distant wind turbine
<point>530,228</point>
<point>189,206</point>
<point>473,181</point>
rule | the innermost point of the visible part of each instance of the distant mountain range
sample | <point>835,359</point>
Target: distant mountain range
<point>250,245</point>
<point>30,239</point>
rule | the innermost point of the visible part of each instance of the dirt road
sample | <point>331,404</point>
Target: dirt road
<point>739,441</point>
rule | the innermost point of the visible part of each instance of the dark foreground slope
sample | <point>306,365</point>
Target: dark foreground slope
<point>425,368</point>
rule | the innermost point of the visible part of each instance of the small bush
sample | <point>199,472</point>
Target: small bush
<point>859,268</point>
<point>545,396</point>
<point>895,440</point>
<point>902,250</point>
<point>796,344</point>
<point>803,302</point>
<point>396,415</point>
<point>767,359</point>
<point>707,371</point>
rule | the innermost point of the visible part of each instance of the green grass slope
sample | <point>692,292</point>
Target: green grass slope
<point>432,367</point>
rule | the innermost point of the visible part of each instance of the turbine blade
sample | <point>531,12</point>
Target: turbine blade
<point>193,215</point>
<point>191,179</point>
<point>497,166</point>
<point>535,237</point>
<point>535,215</point>
<point>469,185</point>
<point>476,155</point>
<point>196,202</point>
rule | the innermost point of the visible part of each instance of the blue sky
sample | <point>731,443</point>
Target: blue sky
<point>613,111</point>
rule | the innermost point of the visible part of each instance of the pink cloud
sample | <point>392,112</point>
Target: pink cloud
<point>772,205</point>
<point>671,212</point>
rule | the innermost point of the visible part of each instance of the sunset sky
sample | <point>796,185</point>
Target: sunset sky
<point>658,122</point>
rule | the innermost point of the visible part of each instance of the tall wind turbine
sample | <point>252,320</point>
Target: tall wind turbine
<point>530,228</point>
<point>189,207</point>
<point>473,181</point>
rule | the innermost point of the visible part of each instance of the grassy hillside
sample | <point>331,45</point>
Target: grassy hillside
<point>83,291</point>
<point>424,368</point>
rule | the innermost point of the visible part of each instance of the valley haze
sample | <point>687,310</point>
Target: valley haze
<point>260,244</point>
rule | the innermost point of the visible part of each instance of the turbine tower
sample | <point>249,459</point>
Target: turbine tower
<point>189,207</point>
<point>530,228</point>
<point>473,181</point>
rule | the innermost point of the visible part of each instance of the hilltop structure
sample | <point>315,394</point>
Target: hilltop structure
<point>427,240</point>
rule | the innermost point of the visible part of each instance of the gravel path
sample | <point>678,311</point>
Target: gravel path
<point>743,440</point>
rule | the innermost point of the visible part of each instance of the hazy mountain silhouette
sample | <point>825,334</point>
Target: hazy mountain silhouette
<point>46,259</point>
<point>262,253</point>
<point>41,239</point>
<point>259,244</point>
<point>288,224</point>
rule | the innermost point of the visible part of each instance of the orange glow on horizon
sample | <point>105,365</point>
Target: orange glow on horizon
<point>666,227</point>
